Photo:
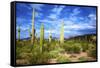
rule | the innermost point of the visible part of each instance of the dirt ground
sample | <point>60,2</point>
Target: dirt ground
<point>73,57</point>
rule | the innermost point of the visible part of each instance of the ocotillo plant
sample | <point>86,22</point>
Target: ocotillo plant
<point>18,33</point>
<point>50,37</point>
<point>33,30</point>
<point>62,33</point>
<point>41,36</point>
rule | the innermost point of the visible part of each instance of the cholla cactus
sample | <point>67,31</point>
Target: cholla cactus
<point>50,37</point>
<point>41,36</point>
<point>33,30</point>
<point>18,33</point>
<point>62,34</point>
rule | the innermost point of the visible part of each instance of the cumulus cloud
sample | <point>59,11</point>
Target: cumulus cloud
<point>92,16</point>
<point>76,22</point>
<point>37,6</point>
<point>56,11</point>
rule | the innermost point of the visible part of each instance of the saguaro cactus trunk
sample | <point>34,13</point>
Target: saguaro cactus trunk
<point>50,37</point>
<point>18,33</point>
<point>33,30</point>
<point>41,36</point>
<point>30,34</point>
<point>62,33</point>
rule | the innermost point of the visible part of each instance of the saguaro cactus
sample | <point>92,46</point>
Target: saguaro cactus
<point>62,33</point>
<point>33,30</point>
<point>18,33</point>
<point>30,34</point>
<point>50,36</point>
<point>41,36</point>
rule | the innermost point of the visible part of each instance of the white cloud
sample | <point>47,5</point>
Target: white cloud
<point>37,6</point>
<point>37,14</point>
<point>92,16</point>
<point>79,26</point>
<point>56,12</point>
<point>75,11</point>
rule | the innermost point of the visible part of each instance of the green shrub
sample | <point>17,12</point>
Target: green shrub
<point>75,48</point>
<point>53,54</point>
<point>82,58</point>
<point>61,59</point>
<point>84,46</point>
<point>40,58</point>
<point>92,51</point>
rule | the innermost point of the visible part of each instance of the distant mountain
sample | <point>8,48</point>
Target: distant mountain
<point>75,37</point>
<point>26,38</point>
<point>82,37</point>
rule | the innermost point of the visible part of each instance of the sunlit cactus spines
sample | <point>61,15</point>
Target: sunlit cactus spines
<point>33,29</point>
<point>50,37</point>
<point>62,33</point>
<point>41,36</point>
<point>18,33</point>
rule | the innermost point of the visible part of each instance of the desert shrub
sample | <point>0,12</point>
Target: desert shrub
<point>62,59</point>
<point>92,51</point>
<point>68,48</point>
<point>55,53</point>
<point>75,48</point>
<point>82,58</point>
<point>84,46</point>
<point>18,52</point>
<point>40,58</point>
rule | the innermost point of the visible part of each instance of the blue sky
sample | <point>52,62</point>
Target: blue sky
<point>77,20</point>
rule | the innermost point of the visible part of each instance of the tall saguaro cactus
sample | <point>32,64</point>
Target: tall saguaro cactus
<point>50,36</point>
<point>41,36</point>
<point>30,34</point>
<point>62,33</point>
<point>18,33</point>
<point>33,30</point>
